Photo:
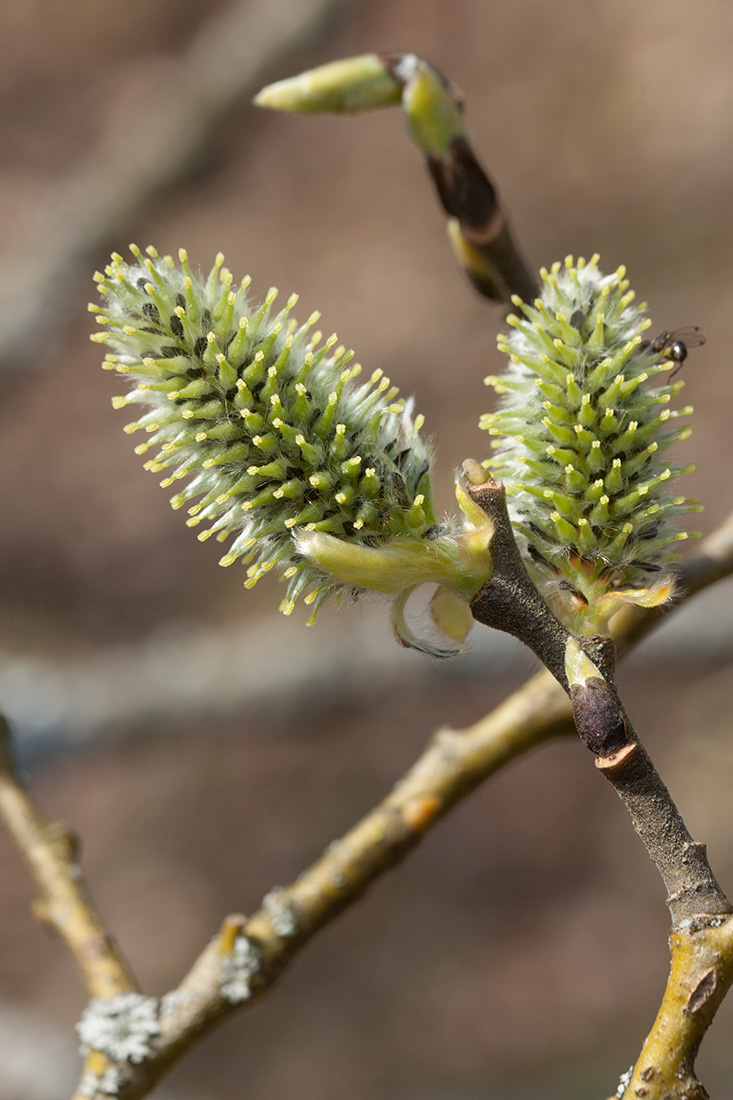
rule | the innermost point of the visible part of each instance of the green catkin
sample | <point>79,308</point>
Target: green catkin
<point>272,432</point>
<point>580,433</point>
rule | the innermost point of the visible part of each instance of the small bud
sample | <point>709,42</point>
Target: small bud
<point>353,84</point>
<point>598,716</point>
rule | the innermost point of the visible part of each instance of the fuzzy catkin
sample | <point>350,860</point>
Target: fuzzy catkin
<point>265,425</point>
<point>580,432</point>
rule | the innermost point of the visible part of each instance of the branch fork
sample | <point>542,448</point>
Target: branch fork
<point>453,764</point>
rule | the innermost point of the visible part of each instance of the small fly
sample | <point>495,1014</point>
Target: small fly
<point>674,345</point>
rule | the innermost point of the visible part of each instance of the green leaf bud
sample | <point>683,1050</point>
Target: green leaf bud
<point>434,117</point>
<point>580,432</point>
<point>352,84</point>
<point>432,111</point>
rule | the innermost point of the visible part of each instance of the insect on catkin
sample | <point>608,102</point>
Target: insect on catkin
<point>580,434</point>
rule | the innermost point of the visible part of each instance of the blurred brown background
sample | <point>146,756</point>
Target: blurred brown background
<point>206,749</point>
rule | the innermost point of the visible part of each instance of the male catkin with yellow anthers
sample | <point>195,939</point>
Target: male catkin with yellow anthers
<point>580,432</point>
<point>276,444</point>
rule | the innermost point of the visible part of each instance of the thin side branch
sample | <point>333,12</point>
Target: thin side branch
<point>478,226</point>
<point>454,764</point>
<point>49,849</point>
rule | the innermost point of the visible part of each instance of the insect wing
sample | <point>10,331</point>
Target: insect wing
<point>692,336</point>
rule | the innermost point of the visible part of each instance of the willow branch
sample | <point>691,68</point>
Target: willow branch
<point>701,974</point>
<point>50,851</point>
<point>478,227</point>
<point>509,601</point>
<point>454,763</point>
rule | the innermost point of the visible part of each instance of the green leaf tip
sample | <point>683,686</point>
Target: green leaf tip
<point>579,437</point>
<point>350,85</point>
<point>432,108</point>
<point>272,439</point>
